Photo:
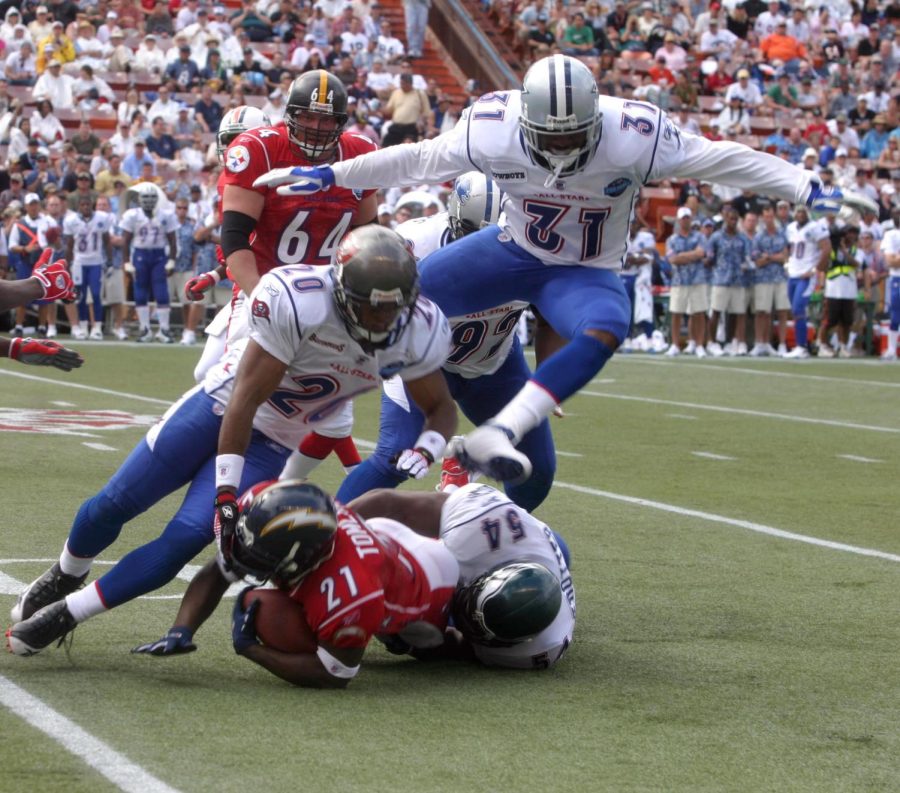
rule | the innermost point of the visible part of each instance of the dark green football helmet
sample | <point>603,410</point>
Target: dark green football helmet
<point>507,605</point>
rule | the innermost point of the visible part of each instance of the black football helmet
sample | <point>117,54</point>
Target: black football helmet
<point>507,605</point>
<point>284,531</point>
<point>314,100</point>
<point>376,284</point>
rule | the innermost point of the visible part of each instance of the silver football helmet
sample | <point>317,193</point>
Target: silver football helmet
<point>561,119</point>
<point>234,122</point>
<point>473,204</point>
<point>147,196</point>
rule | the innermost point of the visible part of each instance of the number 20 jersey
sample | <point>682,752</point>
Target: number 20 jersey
<point>292,229</point>
<point>483,529</point>
<point>293,317</point>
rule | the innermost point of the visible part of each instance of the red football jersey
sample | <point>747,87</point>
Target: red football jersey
<point>292,229</point>
<point>370,585</point>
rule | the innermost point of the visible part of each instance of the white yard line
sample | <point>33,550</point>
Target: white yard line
<point>95,389</point>
<point>681,416</point>
<point>100,447</point>
<point>116,767</point>
<point>711,456</point>
<point>744,412</point>
<point>857,459</point>
<point>740,524</point>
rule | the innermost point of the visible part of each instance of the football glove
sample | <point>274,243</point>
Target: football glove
<point>178,641</point>
<point>824,198</point>
<point>414,463</point>
<point>297,181</point>
<point>128,267</point>
<point>199,285</point>
<point>170,266</point>
<point>488,450</point>
<point>225,523</point>
<point>55,280</point>
<point>44,353</point>
<point>243,623</point>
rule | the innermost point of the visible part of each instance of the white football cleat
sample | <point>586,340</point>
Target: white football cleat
<point>798,353</point>
<point>96,333</point>
<point>700,351</point>
<point>489,450</point>
<point>825,351</point>
<point>673,351</point>
<point>715,349</point>
<point>79,333</point>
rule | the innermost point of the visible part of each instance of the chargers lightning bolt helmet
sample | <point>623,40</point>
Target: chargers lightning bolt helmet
<point>285,530</point>
<point>376,284</point>
<point>234,122</point>
<point>561,120</point>
<point>473,204</point>
<point>315,114</point>
<point>507,605</point>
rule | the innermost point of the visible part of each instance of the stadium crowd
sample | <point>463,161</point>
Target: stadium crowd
<point>810,82</point>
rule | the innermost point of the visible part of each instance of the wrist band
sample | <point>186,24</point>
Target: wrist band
<point>229,468</point>
<point>432,442</point>
<point>335,667</point>
<point>214,274</point>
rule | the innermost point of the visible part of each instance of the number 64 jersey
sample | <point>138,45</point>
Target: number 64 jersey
<point>292,316</point>
<point>483,529</point>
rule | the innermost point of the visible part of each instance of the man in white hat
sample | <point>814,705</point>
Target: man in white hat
<point>55,86</point>
<point>40,26</point>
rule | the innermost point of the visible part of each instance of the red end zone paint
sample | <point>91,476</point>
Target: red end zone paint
<point>64,422</point>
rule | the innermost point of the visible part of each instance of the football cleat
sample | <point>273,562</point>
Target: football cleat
<point>453,475</point>
<point>488,449</point>
<point>825,351</point>
<point>121,334</point>
<point>164,337</point>
<point>96,333</point>
<point>797,352</point>
<point>673,351</point>
<point>79,333</point>
<point>51,586</point>
<point>51,623</point>
<point>146,336</point>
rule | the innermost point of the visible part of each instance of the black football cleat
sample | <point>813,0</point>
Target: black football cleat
<point>48,625</point>
<point>51,586</point>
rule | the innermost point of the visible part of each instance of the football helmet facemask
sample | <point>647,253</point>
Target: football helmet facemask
<point>507,605</point>
<point>147,195</point>
<point>376,284</point>
<point>315,114</point>
<point>284,531</point>
<point>234,122</point>
<point>560,120</point>
<point>473,204</point>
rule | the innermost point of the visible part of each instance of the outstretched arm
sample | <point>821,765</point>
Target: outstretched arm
<point>420,511</point>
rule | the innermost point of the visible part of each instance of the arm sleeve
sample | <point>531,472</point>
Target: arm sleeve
<point>437,160</point>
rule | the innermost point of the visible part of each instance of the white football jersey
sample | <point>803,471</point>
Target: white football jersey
<point>292,316</point>
<point>804,242</point>
<point>481,341</point>
<point>87,236</point>
<point>891,244</point>
<point>149,233</point>
<point>581,219</point>
<point>483,529</point>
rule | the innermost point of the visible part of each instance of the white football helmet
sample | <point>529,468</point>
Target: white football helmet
<point>561,119</point>
<point>234,122</point>
<point>148,197</point>
<point>473,204</point>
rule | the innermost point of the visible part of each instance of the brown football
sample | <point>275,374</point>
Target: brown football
<point>281,622</point>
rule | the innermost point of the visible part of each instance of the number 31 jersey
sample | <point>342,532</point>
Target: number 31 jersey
<point>292,229</point>
<point>483,529</point>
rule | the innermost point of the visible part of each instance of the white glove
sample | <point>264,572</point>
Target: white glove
<point>414,463</point>
<point>298,180</point>
<point>128,267</point>
<point>489,450</point>
<point>170,266</point>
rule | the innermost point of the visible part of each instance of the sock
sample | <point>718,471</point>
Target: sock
<point>299,466</point>
<point>892,341</point>
<point>143,315</point>
<point>526,410</point>
<point>347,453</point>
<point>852,339</point>
<point>85,603</point>
<point>162,314</point>
<point>800,338</point>
<point>74,565</point>
<point>349,469</point>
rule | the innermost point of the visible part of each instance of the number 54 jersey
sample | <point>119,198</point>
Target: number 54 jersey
<point>292,229</point>
<point>292,316</point>
<point>483,529</point>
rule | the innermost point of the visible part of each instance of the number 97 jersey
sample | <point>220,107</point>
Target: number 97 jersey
<point>483,529</point>
<point>293,229</point>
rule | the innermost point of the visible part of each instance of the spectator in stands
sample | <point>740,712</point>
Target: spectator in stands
<point>159,21</point>
<point>729,254</point>
<point>540,39</point>
<point>888,160</point>
<point>19,138</point>
<point>214,74</point>
<point>380,80</point>
<point>862,115</point>
<point>27,160</point>
<point>220,23</point>
<point>875,140</point>
<point>275,72</point>
<point>20,66</point>
<point>249,19</point>
<point>89,49</point>
<point>796,147</point>
<point>717,42</point>
<point>134,163</point>
<point>409,112</point>
<point>389,47</point>
<point>672,54</point>
<point>84,189</point>
<point>188,14</point>
<point>55,86</point>
<point>734,119</point>
<point>810,159</point>
<point>844,172</point>
<point>160,144</point>
<point>12,19</point>
<point>183,72</point>
<point>689,295</point>
<point>104,31</point>
<point>56,47</point>
<point>708,203</point>
<point>37,180</point>
<point>164,106</point>
<point>863,182</point>
<point>149,57</point>
<point>41,26</point>
<point>354,40</point>
<point>416,13</point>
<point>15,191</point>
<point>344,70</point>
<point>843,102</point>
<point>45,126</point>
<point>105,182</point>
<point>287,24</point>
<point>718,82</point>
<point>769,254</point>
<point>301,52</point>
<point>207,110</point>
<point>767,22</point>
<point>88,81</point>
<point>84,140</point>
<point>877,100</point>
<point>121,56</point>
<point>779,46</point>
<point>579,38</point>
<point>747,90</point>
<point>250,71</point>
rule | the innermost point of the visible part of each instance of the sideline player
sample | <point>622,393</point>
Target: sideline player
<point>318,337</point>
<point>516,600</point>
<point>87,239</point>
<point>890,246</point>
<point>485,368</point>
<point>570,192</point>
<point>353,579</point>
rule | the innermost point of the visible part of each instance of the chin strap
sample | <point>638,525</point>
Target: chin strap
<point>554,175</point>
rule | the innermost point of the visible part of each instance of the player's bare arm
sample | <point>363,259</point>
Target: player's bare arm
<point>305,669</point>
<point>366,212</point>
<point>431,395</point>
<point>19,293</point>
<point>420,511</point>
<point>241,208</point>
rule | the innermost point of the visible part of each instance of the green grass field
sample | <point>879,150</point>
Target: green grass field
<point>736,578</point>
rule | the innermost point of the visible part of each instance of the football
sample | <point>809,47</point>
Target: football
<point>281,622</point>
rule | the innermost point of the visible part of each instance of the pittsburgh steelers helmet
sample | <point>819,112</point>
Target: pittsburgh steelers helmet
<point>376,284</point>
<point>560,120</point>
<point>285,530</point>
<point>507,605</point>
<point>473,204</point>
<point>234,122</point>
<point>315,114</point>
